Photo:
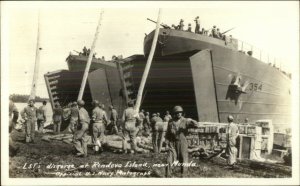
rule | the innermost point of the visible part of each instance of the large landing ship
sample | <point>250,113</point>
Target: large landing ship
<point>210,77</point>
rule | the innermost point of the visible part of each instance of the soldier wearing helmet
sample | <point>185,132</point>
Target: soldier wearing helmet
<point>114,120</point>
<point>142,117</point>
<point>154,120</point>
<point>80,136</point>
<point>147,122</point>
<point>130,120</point>
<point>57,117</point>
<point>99,119</point>
<point>181,24</point>
<point>13,118</point>
<point>74,113</point>
<point>176,139</point>
<point>41,116</point>
<point>232,134</point>
<point>189,27</point>
<point>197,28</point>
<point>29,115</point>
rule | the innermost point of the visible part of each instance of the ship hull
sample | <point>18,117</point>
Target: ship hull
<point>194,71</point>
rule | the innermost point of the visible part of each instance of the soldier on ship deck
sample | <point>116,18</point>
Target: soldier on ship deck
<point>189,28</point>
<point>197,28</point>
<point>181,24</point>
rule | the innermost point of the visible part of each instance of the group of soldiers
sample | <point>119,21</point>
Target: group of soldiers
<point>133,124</point>
<point>215,32</point>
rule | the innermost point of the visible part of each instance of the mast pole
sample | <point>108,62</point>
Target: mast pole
<point>37,63</point>
<point>88,65</point>
<point>149,61</point>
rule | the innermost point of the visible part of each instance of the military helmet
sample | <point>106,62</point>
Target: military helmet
<point>31,100</point>
<point>214,26</point>
<point>154,114</point>
<point>95,102</point>
<point>177,109</point>
<point>230,118</point>
<point>80,102</point>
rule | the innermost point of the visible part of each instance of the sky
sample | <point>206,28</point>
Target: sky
<point>272,26</point>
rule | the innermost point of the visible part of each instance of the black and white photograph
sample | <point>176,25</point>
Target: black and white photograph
<point>193,92</point>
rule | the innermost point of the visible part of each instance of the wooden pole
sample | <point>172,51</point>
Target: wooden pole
<point>149,61</point>
<point>88,65</point>
<point>37,63</point>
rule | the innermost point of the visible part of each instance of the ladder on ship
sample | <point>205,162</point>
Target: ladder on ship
<point>125,71</point>
<point>52,79</point>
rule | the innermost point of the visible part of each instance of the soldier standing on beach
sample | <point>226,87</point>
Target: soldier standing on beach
<point>13,118</point>
<point>232,134</point>
<point>41,116</point>
<point>114,119</point>
<point>80,136</point>
<point>99,119</point>
<point>176,139</point>
<point>131,122</point>
<point>155,135</point>
<point>57,117</point>
<point>74,118</point>
<point>29,115</point>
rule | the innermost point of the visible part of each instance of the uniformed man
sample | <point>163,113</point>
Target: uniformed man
<point>197,28</point>
<point>158,115</point>
<point>176,139</point>
<point>232,134</point>
<point>41,116</point>
<point>155,133</point>
<point>181,24</point>
<point>147,122</point>
<point>85,51</point>
<point>219,34</point>
<point>13,118</point>
<point>214,32</point>
<point>57,118</point>
<point>141,127</point>
<point>13,115</point>
<point>189,27</point>
<point>99,119</point>
<point>80,136</point>
<point>29,115</point>
<point>114,120</point>
<point>131,122</point>
<point>74,118</point>
<point>167,117</point>
<point>246,122</point>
